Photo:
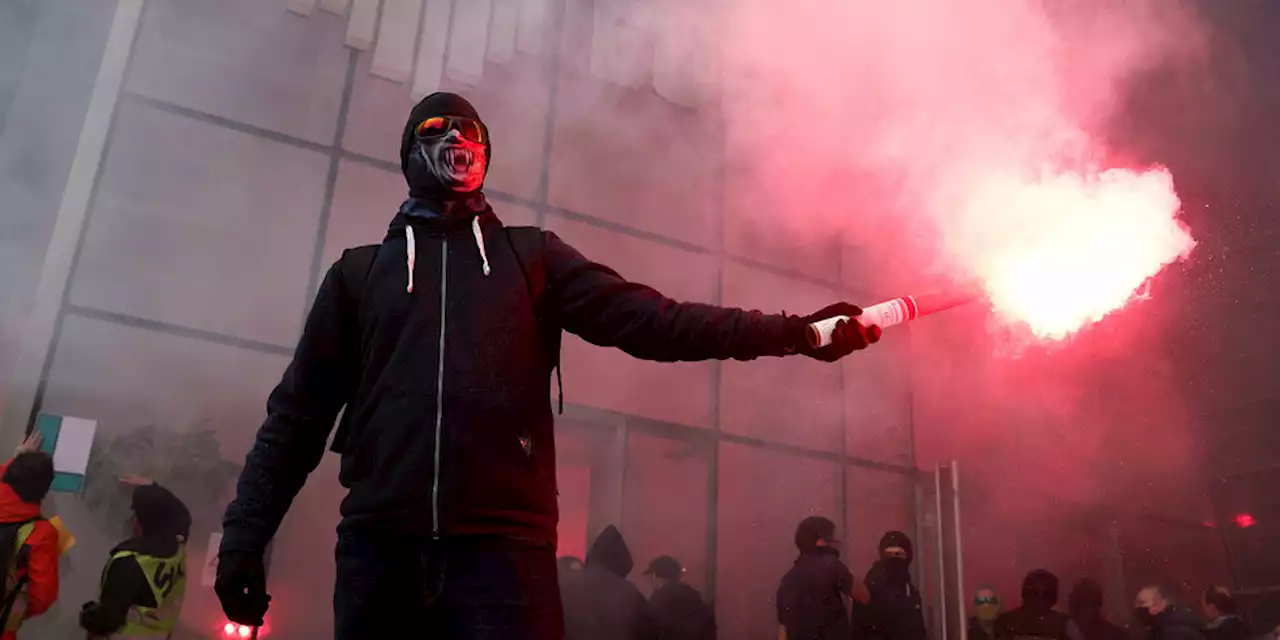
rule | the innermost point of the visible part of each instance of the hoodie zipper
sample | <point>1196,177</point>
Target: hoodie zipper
<point>444,298</point>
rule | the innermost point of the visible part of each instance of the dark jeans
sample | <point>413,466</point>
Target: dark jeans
<point>390,587</point>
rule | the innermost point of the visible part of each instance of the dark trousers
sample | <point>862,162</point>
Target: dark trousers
<point>390,587</point>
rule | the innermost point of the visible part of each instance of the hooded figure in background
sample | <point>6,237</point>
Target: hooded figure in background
<point>1085,606</point>
<point>895,611</point>
<point>599,601</point>
<point>437,348</point>
<point>1036,619</point>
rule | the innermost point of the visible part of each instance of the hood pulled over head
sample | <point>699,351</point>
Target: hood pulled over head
<point>449,158</point>
<point>610,551</point>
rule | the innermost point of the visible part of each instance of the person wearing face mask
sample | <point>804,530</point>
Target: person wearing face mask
<point>1036,618</point>
<point>986,608</point>
<point>437,347</point>
<point>1085,606</point>
<point>1157,610</point>
<point>895,611</point>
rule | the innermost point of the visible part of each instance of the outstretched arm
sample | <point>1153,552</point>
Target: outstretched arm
<point>604,309</point>
<point>300,414</point>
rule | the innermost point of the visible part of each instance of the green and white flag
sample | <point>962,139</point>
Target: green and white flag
<point>69,440</point>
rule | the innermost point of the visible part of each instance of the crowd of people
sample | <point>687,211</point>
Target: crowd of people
<point>820,599</point>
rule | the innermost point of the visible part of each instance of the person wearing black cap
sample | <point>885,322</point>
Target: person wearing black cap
<point>144,582</point>
<point>895,611</point>
<point>437,346</point>
<point>677,609</point>
<point>811,597</point>
<point>1036,618</point>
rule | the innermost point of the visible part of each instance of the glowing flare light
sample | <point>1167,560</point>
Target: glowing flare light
<point>1067,249</point>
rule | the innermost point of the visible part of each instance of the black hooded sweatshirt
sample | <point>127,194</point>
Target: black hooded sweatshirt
<point>895,611</point>
<point>1176,622</point>
<point>810,598</point>
<point>599,602</point>
<point>440,362</point>
<point>678,612</point>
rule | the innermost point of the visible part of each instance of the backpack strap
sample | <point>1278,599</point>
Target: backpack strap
<point>355,265</point>
<point>21,556</point>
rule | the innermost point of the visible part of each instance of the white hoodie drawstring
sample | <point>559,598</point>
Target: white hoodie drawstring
<point>475,230</point>
<point>411,254</point>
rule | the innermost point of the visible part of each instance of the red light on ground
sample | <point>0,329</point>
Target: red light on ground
<point>1244,521</point>
<point>233,630</point>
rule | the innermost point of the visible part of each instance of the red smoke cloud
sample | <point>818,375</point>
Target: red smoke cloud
<point>959,140</point>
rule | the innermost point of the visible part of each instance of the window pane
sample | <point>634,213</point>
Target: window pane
<point>876,502</point>
<point>666,503</point>
<point>589,478</point>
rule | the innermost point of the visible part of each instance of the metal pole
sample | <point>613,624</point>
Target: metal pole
<point>955,494</point>
<point>942,565</point>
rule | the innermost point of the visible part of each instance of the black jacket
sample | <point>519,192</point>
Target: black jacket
<point>1034,623</point>
<point>895,611</point>
<point>1098,628</point>
<point>811,597</point>
<point>599,602</point>
<point>1176,622</point>
<point>679,613</point>
<point>1230,627</point>
<point>447,427</point>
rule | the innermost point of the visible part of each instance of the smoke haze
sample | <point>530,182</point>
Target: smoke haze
<point>865,146</point>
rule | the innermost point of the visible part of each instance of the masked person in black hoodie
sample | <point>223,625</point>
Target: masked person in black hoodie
<point>1158,611</point>
<point>895,611</point>
<point>437,347</point>
<point>1036,619</point>
<point>599,602</point>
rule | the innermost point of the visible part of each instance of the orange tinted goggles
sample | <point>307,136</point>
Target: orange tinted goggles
<point>437,126</point>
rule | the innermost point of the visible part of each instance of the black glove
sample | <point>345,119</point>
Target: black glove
<point>242,587</point>
<point>847,337</point>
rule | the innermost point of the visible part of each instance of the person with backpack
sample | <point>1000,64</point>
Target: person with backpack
<point>144,582</point>
<point>29,546</point>
<point>437,347</point>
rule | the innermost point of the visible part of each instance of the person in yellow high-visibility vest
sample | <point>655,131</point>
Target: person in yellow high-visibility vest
<point>144,582</point>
